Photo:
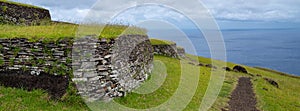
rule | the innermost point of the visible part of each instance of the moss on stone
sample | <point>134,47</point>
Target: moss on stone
<point>4,8</point>
<point>178,47</point>
<point>161,42</point>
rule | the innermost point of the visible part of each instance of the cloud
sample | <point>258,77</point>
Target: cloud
<point>61,4</point>
<point>255,10</point>
<point>75,11</point>
<point>153,13</point>
<point>64,10</point>
<point>71,15</point>
<point>229,10</point>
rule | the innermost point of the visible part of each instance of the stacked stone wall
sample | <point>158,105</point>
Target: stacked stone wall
<point>101,68</point>
<point>14,13</point>
<point>170,50</point>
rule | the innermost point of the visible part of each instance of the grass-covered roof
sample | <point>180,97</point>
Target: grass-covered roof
<point>160,42</point>
<point>21,4</point>
<point>54,31</point>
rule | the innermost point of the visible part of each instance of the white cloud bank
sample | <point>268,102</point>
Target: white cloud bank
<point>229,10</point>
<point>255,10</point>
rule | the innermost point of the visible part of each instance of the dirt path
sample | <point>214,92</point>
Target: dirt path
<point>243,97</point>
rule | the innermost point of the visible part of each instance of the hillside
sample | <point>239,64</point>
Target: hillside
<point>269,97</point>
<point>177,82</point>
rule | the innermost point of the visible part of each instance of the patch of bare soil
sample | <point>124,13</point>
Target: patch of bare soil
<point>243,97</point>
<point>55,85</point>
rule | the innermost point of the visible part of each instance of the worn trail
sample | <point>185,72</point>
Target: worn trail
<point>243,97</point>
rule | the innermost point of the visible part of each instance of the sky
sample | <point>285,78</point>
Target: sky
<point>229,14</point>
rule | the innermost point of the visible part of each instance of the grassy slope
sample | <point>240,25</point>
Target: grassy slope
<point>21,4</point>
<point>284,98</point>
<point>287,97</point>
<point>55,31</point>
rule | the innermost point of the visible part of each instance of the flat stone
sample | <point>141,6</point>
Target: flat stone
<point>62,45</point>
<point>97,78</point>
<point>96,59</point>
<point>101,68</point>
<point>114,72</point>
<point>79,79</point>
<point>77,74</point>
<point>86,65</point>
<point>103,73</point>
<point>59,53</point>
<point>86,70</point>
<point>90,74</point>
<point>103,40</point>
<point>23,53</point>
<point>107,56</point>
<point>18,66</point>
<point>13,68</point>
<point>113,76</point>
<point>104,62</point>
<point>76,64</point>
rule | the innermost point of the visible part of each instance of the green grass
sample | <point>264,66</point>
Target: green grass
<point>160,42</point>
<point>284,98</point>
<point>277,72</point>
<point>56,31</point>
<point>164,92</point>
<point>21,4</point>
<point>12,99</point>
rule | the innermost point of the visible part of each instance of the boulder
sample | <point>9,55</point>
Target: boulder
<point>211,66</point>
<point>200,64</point>
<point>272,82</point>
<point>239,69</point>
<point>227,68</point>
<point>258,75</point>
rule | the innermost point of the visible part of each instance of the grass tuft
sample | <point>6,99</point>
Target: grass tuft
<point>160,42</point>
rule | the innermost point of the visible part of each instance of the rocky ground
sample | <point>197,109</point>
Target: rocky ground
<point>243,97</point>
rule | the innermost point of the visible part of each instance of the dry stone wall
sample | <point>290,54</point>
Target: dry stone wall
<point>181,52</point>
<point>102,69</point>
<point>132,60</point>
<point>170,50</point>
<point>166,50</point>
<point>23,55</point>
<point>36,65</point>
<point>22,14</point>
<point>107,69</point>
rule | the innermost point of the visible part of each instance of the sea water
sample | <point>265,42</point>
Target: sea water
<point>277,49</point>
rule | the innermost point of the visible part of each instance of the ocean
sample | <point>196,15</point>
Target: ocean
<point>277,49</point>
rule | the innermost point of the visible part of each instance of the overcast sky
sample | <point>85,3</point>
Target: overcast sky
<point>228,14</point>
